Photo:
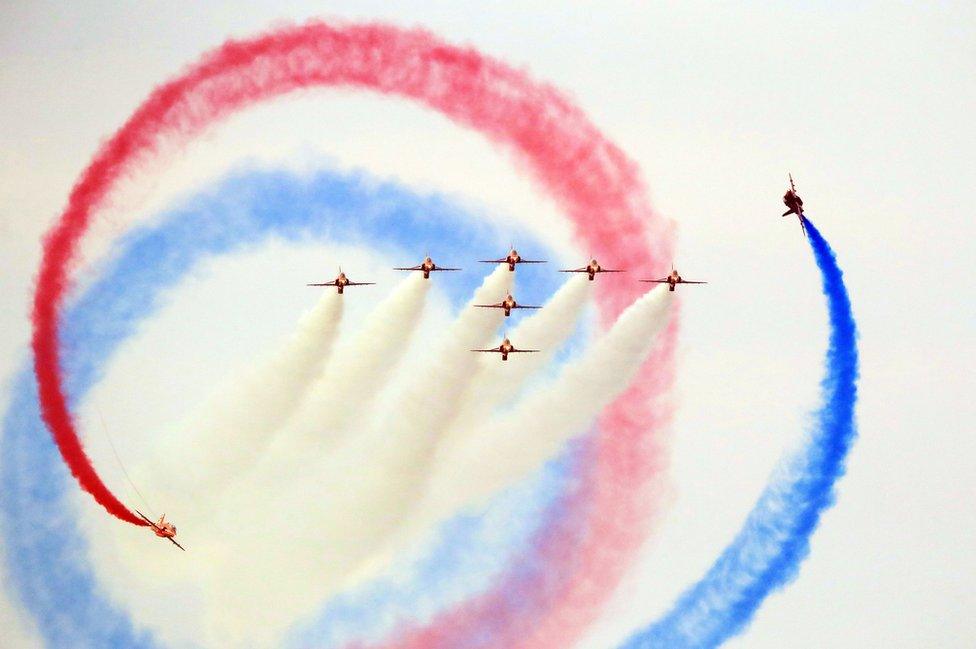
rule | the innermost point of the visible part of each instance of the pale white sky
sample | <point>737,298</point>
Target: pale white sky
<point>869,105</point>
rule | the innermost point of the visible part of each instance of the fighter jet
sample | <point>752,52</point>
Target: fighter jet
<point>795,203</point>
<point>341,282</point>
<point>505,349</point>
<point>162,529</point>
<point>672,280</point>
<point>512,259</point>
<point>591,269</point>
<point>427,267</point>
<point>508,304</point>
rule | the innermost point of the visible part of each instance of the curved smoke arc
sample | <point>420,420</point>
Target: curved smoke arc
<point>767,552</point>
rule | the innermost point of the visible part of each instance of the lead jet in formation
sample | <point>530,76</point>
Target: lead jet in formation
<point>591,269</point>
<point>512,259</point>
<point>795,204</point>
<point>341,282</point>
<point>162,528</point>
<point>672,280</point>
<point>508,304</point>
<point>505,349</point>
<point>427,267</point>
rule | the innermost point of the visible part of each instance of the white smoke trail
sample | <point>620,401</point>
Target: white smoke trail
<point>350,500</point>
<point>509,448</point>
<point>428,404</point>
<point>499,383</point>
<point>336,406</point>
<point>357,372</point>
<point>241,418</point>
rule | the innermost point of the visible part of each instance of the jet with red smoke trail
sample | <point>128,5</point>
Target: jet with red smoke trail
<point>162,528</point>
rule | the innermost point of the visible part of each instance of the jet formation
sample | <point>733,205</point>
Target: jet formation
<point>166,530</point>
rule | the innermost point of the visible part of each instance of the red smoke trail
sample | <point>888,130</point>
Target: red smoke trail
<point>590,178</point>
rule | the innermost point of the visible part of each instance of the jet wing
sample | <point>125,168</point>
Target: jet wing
<point>361,284</point>
<point>418,267</point>
<point>173,541</point>
<point>491,306</point>
<point>532,261</point>
<point>574,270</point>
<point>332,283</point>
<point>493,261</point>
<point>522,351</point>
<point>143,517</point>
<point>487,350</point>
<point>686,281</point>
<point>655,281</point>
<point>610,270</point>
<point>523,306</point>
<point>439,268</point>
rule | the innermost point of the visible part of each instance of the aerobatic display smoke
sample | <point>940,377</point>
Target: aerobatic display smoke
<point>588,177</point>
<point>238,422</point>
<point>546,330</point>
<point>353,498</point>
<point>328,465</point>
<point>403,440</point>
<point>766,553</point>
<point>586,174</point>
<point>347,462</point>
<point>347,388</point>
<point>510,446</point>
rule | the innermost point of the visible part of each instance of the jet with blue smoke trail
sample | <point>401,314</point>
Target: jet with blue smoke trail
<point>767,552</point>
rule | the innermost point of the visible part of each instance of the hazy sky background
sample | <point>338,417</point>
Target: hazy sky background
<point>868,104</point>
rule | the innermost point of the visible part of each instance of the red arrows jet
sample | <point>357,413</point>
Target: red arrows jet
<point>512,259</point>
<point>341,282</point>
<point>427,267</point>
<point>508,304</point>
<point>591,269</point>
<point>162,529</point>
<point>672,280</point>
<point>795,204</point>
<point>505,349</point>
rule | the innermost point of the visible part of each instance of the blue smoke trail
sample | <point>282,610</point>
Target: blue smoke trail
<point>767,552</point>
